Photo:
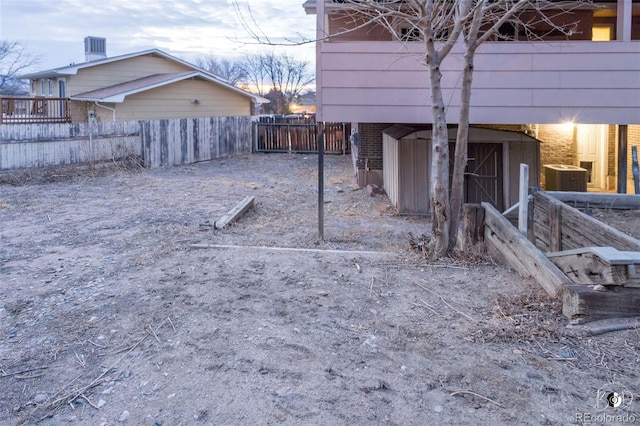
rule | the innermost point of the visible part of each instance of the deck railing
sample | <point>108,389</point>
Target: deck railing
<point>16,110</point>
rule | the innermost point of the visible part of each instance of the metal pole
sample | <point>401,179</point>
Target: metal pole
<point>320,141</point>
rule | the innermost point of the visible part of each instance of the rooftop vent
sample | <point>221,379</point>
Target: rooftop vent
<point>95,48</point>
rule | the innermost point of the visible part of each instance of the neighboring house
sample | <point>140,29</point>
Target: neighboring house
<point>305,105</point>
<point>138,86</point>
<point>575,101</point>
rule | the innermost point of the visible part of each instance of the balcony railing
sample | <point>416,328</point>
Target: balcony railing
<point>17,110</point>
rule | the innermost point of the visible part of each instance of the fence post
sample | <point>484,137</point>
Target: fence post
<point>524,194</point>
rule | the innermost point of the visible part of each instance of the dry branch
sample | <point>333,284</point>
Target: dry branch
<point>71,396</point>
<point>463,392</point>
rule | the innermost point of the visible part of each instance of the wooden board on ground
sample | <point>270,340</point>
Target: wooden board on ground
<point>582,303</point>
<point>235,213</point>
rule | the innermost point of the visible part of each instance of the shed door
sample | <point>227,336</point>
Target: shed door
<point>483,178</point>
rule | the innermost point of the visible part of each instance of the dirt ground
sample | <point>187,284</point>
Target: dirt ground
<point>112,312</point>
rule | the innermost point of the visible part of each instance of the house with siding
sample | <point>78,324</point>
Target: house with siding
<point>567,105</point>
<point>138,86</point>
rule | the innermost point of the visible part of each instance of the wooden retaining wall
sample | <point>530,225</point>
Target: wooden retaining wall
<point>571,254</point>
<point>558,226</point>
<point>156,142</point>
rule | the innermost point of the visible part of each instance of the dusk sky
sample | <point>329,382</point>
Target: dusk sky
<point>55,30</point>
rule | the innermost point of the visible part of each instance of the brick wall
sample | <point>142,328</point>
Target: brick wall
<point>612,142</point>
<point>370,145</point>
<point>558,144</point>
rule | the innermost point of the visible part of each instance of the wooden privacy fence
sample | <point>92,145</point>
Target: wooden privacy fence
<point>299,135</point>
<point>44,145</point>
<point>185,141</point>
<point>156,142</point>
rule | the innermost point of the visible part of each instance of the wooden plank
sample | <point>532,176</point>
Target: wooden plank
<point>235,212</point>
<point>555,225</point>
<point>607,254</point>
<point>597,199</point>
<point>584,304</point>
<point>520,254</point>
<point>588,268</point>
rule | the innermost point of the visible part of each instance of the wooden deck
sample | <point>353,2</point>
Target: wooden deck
<point>21,110</point>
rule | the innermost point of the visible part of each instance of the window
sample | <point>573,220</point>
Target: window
<point>50,87</point>
<point>601,32</point>
<point>42,87</point>
<point>507,31</point>
<point>409,34</point>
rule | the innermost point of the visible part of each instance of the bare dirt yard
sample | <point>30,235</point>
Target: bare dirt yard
<point>112,312</point>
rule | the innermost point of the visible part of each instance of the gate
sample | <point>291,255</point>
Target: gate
<point>299,135</point>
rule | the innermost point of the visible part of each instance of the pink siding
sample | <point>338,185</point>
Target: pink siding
<point>514,83</point>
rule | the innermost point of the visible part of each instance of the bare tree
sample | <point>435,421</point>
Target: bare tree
<point>441,24</point>
<point>232,71</point>
<point>485,20</point>
<point>13,59</point>
<point>278,77</point>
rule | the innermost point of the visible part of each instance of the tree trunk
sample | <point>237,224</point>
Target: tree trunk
<point>462,141</point>
<point>440,208</point>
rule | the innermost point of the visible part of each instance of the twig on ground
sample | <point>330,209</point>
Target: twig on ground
<point>89,402</point>
<point>29,376</point>
<point>457,310</point>
<point>81,360</point>
<point>462,392</point>
<point>16,373</point>
<point>371,291</point>
<point>445,302</point>
<point>594,331</point>
<point>71,396</point>
<point>431,308</point>
<point>154,333</point>
<point>96,344</point>
<point>438,265</point>
<point>171,322</point>
<point>66,386</point>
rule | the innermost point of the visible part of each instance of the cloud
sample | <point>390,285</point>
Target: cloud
<point>184,28</point>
